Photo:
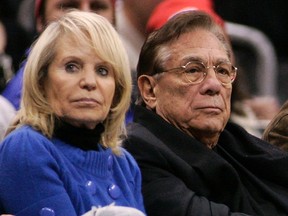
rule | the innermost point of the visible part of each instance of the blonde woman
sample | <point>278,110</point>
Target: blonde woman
<point>63,155</point>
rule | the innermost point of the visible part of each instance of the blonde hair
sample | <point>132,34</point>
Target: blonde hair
<point>102,37</point>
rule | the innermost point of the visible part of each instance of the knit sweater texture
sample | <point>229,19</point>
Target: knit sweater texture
<point>40,175</point>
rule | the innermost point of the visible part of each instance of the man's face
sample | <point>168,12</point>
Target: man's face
<point>200,110</point>
<point>54,9</point>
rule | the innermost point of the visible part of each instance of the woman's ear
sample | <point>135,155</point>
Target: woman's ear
<point>146,85</point>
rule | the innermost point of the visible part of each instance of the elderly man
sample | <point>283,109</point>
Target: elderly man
<point>193,162</point>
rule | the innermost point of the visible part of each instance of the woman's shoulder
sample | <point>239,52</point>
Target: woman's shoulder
<point>124,154</point>
<point>125,159</point>
<point>25,132</point>
<point>25,138</point>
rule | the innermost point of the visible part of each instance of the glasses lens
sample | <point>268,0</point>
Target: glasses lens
<point>194,72</point>
<point>225,73</point>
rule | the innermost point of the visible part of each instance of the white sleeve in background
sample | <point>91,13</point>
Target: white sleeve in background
<point>7,112</point>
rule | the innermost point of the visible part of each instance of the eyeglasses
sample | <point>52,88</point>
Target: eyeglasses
<point>195,72</point>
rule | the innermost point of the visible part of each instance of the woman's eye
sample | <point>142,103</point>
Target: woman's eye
<point>103,71</point>
<point>71,68</point>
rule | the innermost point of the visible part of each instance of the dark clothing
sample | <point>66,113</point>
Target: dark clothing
<point>181,176</point>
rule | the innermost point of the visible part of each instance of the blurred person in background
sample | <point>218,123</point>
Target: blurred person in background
<point>276,132</point>
<point>6,68</point>
<point>17,38</point>
<point>7,111</point>
<point>131,20</point>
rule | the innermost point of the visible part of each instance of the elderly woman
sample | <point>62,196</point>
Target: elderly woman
<point>63,154</point>
<point>47,11</point>
<point>193,161</point>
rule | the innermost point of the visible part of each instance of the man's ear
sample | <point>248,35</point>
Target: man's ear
<point>146,85</point>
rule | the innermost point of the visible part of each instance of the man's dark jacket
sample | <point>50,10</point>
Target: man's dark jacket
<point>181,176</point>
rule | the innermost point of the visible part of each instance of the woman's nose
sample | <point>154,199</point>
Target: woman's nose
<point>88,80</point>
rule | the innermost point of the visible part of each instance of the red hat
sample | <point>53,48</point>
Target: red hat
<point>168,8</point>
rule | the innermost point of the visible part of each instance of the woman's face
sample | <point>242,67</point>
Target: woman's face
<point>79,85</point>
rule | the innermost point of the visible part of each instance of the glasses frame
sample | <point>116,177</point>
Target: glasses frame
<point>184,67</point>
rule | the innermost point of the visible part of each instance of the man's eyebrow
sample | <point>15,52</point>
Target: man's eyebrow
<point>199,59</point>
<point>192,58</point>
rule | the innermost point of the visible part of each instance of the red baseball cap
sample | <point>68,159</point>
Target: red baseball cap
<point>168,8</point>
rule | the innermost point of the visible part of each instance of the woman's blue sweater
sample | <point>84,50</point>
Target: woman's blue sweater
<point>39,176</point>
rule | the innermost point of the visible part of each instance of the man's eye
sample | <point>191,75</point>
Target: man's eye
<point>194,69</point>
<point>225,71</point>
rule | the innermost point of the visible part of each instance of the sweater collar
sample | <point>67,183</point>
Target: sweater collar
<point>83,138</point>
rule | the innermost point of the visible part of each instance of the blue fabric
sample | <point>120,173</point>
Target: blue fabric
<point>129,115</point>
<point>13,90</point>
<point>39,174</point>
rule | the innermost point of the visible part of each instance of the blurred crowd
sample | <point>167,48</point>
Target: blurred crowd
<point>269,17</point>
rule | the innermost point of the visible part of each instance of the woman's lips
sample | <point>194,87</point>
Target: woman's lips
<point>86,102</point>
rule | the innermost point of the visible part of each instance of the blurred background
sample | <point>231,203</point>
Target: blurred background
<point>271,18</point>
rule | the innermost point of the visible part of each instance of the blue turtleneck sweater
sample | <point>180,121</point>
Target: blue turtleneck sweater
<point>40,176</point>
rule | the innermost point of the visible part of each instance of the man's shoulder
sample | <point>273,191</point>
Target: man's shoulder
<point>236,139</point>
<point>136,131</point>
<point>140,140</point>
